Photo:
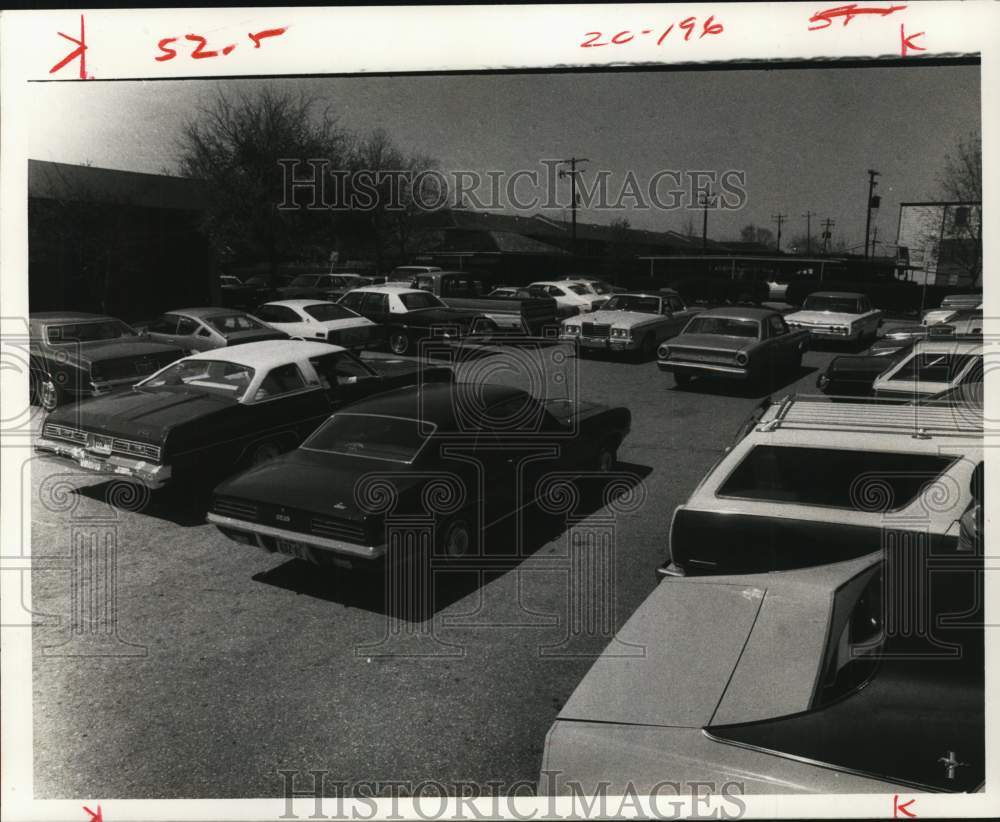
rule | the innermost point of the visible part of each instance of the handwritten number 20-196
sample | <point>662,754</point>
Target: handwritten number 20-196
<point>688,24</point>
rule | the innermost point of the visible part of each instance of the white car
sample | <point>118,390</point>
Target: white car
<point>571,297</point>
<point>319,320</point>
<point>932,366</point>
<point>837,315</point>
<point>951,307</point>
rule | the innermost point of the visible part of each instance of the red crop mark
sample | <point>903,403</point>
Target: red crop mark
<point>80,51</point>
<point>848,13</point>
<point>898,806</point>
<point>94,817</point>
<point>906,41</point>
<point>260,35</point>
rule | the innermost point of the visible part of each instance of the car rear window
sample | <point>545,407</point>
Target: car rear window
<point>396,439</point>
<point>415,301</point>
<point>874,481</point>
<point>324,312</point>
<point>88,332</point>
<point>840,305</point>
<point>726,326</point>
<point>927,367</point>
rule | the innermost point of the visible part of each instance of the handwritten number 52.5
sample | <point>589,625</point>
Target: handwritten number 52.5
<point>200,52</point>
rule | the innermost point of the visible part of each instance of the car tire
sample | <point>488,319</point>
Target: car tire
<point>399,342</point>
<point>681,379</point>
<point>606,459</point>
<point>262,452</point>
<point>456,538</point>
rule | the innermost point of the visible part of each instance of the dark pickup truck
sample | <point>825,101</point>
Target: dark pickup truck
<point>461,289</point>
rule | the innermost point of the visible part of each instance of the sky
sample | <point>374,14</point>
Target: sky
<point>803,137</point>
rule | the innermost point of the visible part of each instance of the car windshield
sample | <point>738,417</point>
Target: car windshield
<point>229,280</point>
<point>210,377</point>
<point>414,301</point>
<point>871,481</point>
<point>88,332</point>
<point>369,435</point>
<point>231,323</point>
<point>578,289</point>
<point>927,367</point>
<point>324,312</point>
<point>643,305</point>
<point>305,280</point>
<point>726,326</point>
<point>839,305</point>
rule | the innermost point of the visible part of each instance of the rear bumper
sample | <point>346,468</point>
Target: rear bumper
<point>602,343</point>
<point>831,336</point>
<point>313,548</point>
<point>150,474</point>
<point>692,367</point>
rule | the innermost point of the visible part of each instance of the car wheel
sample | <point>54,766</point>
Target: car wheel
<point>457,539</point>
<point>46,392</point>
<point>399,342</point>
<point>263,452</point>
<point>681,378</point>
<point>607,457</point>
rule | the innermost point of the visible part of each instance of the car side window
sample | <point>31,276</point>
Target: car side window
<point>167,324</point>
<point>204,332</point>
<point>778,326</point>
<point>354,299</point>
<point>283,379</point>
<point>339,369</point>
<point>375,303</point>
<point>186,327</point>
<point>675,304</point>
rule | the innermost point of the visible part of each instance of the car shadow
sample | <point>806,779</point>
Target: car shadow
<point>753,390</point>
<point>414,595</point>
<point>185,508</point>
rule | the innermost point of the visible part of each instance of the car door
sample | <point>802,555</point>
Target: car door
<point>164,329</point>
<point>779,341</point>
<point>287,406</point>
<point>678,316</point>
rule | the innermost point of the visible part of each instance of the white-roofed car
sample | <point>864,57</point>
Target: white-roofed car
<point>320,320</point>
<point>950,307</point>
<point>571,297</point>
<point>840,316</point>
<point>210,414</point>
<point>932,367</point>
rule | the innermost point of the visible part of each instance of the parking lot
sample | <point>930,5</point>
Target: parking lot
<point>213,665</point>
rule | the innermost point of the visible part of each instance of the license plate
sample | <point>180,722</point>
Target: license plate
<point>90,465</point>
<point>299,550</point>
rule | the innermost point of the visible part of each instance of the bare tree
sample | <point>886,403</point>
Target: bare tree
<point>234,143</point>
<point>756,234</point>
<point>960,240</point>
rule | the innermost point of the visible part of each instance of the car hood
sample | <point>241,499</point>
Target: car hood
<point>141,415</point>
<point>821,317</point>
<point>626,319</point>
<point>317,482</point>
<point>713,341</point>
<point>101,350</point>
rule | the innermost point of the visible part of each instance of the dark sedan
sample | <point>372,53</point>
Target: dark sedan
<point>450,459</point>
<point>213,413</point>
<point>203,329</point>
<point>76,355</point>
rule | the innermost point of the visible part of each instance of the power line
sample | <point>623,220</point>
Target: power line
<point>808,215</point>
<point>827,225</point>
<point>572,161</point>
<point>872,174</point>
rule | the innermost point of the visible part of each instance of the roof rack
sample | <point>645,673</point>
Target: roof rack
<point>812,412</point>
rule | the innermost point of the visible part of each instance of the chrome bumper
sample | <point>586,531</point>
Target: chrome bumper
<point>260,534</point>
<point>603,343</point>
<point>150,474</point>
<point>690,365</point>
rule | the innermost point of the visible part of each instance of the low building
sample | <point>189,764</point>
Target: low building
<point>942,243</point>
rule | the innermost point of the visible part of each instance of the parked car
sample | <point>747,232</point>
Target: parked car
<point>841,316</point>
<point>813,482</point>
<point>930,367</point>
<point>315,320</point>
<point>739,342</point>
<point>572,297</point>
<point>855,375</point>
<point>202,329</point>
<point>636,322</point>
<point>784,682</point>
<point>411,315</point>
<point>321,286</point>
<point>75,355</point>
<point>523,314</point>
<point>213,413</point>
<point>406,273</point>
<point>596,284</point>
<point>311,503</point>
<point>236,294</point>
<point>950,306</point>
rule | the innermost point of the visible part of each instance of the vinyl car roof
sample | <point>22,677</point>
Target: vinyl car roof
<point>740,312</point>
<point>267,353</point>
<point>434,402</point>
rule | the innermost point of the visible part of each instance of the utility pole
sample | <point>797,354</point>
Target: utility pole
<point>827,234</point>
<point>779,219</point>
<point>872,174</point>
<point>572,180</point>
<point>808,215</point>
<point>705,200</point>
